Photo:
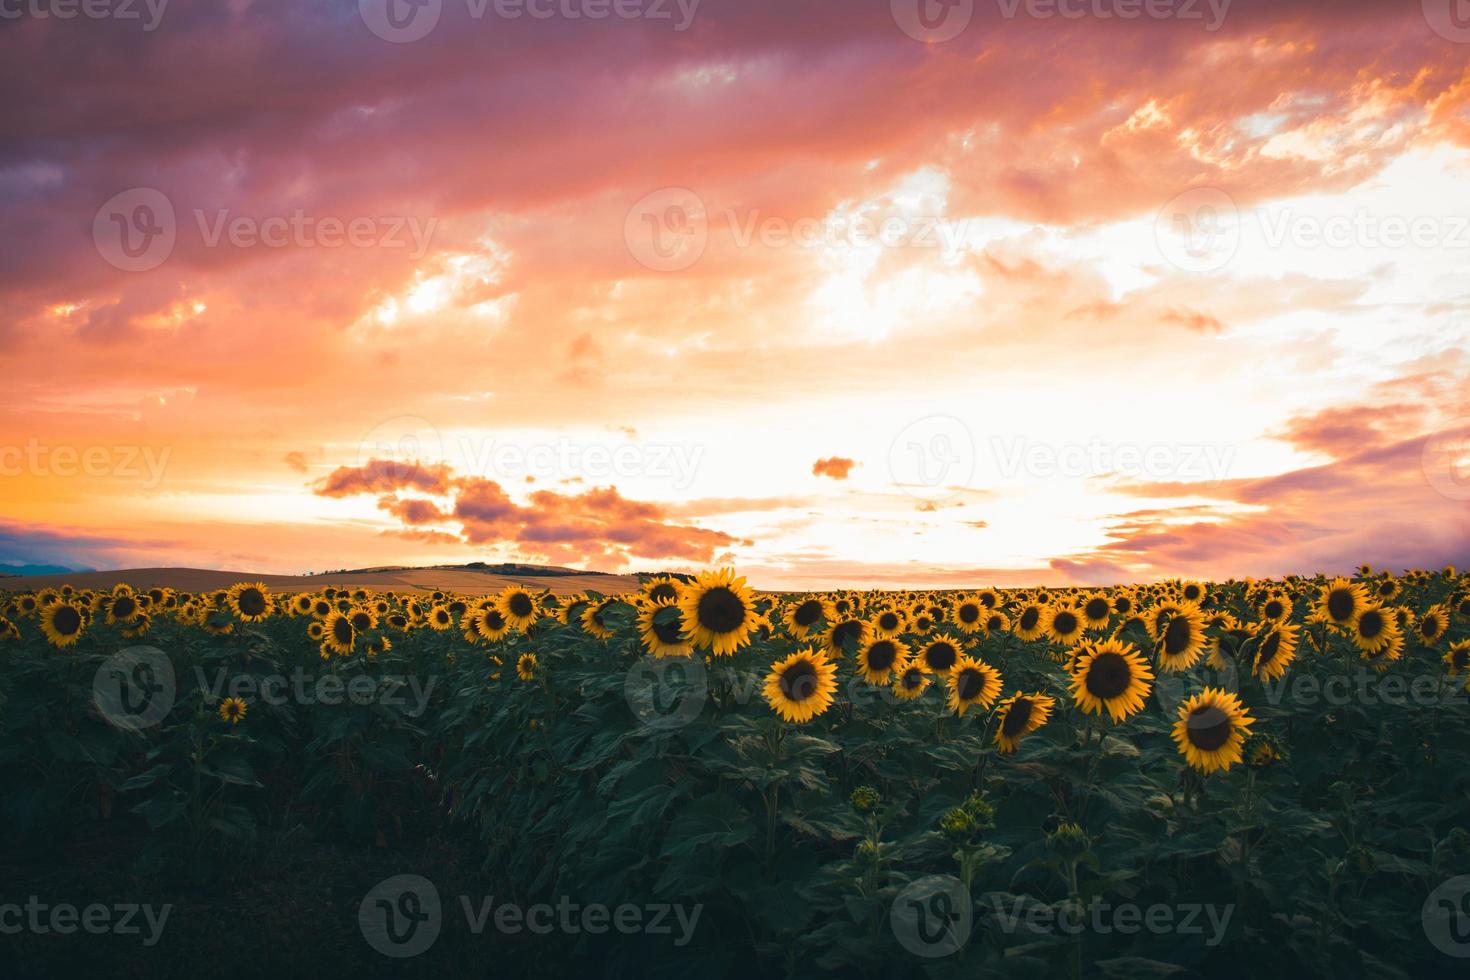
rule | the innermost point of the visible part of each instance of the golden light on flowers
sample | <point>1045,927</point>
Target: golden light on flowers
<point>1020,715</point>
<point>518,606</point>
<point>878,659</point>
<point>1275,651</point>
<point>1063,624</point>
<point>1028,623</point>
<point>251,601</point>
<point>939,657</point>
<point>1433,624</point>
<point>972,682</point>
<point>338,635</point>
<point>1341,601</point>
<point>800,687</point>
<point>847,633</point>
<point>969,615</point>
<point>232,710</point>
<point>491,623</point>
<point>1096,610</point>
<point>910,681</point>
<point>1112,678</point>
<point>661,588</point>
<point>122,608</point>
<point>1211,730</point>
<point>1276,609</point>
<point>661,627</point>
<point>592,619</point>
<point>1181,639</point>
<point>1373,630</point>
<point>62,623</point>
<point>719,611</point>
<point>802,617</point>
<point>887,622</point>
<point>1457,658</point>
<point>526,667</point>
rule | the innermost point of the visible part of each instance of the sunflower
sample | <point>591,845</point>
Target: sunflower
<point>1181,640</point>
<point>62,623</point>
<point>1096,611</point>
<point>1341,601</point>
<point>1275,652</point>
<point>1063,624</point>
<point>1457,658</point>
<point>1462,606</point>
<point>878,659</point>
<point>801,687</point>
<point>526,667</point>
<point>322,607</point>
<point>1112,677</point>
<point>1373,630</point>
<point>801,618</point>
<point>996,622</point>
<point>491,623</point>
<point>1434,624</point>
<point>661,626</point>
<point>251,601</point>
<point>376,644</point>
<point>972,682</point>
<point>719,612</point>
<point>338,634</point>
<point>1029,624</point>
<point>122,608</point>
<point>232,710</point>
<point>301,604</point>
<point>1123,604</point>
<point>661,588</point>
<point>518,606</point>
<point>1020,715</point>
<point>910,680</point>
<point>939,657</point>
<point>969,615</point>
<point>362,619</point>
<point>592,621</point>
<point>845,632</point>
<point>8,630</point>
<point>887,623</point>
<point>1192,592</point>
<point>1211,730</point>
<point>1276,609</point>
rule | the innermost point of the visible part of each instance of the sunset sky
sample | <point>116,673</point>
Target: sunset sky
<point>841,292</point>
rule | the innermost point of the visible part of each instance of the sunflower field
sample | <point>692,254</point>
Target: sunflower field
<point>1180,778</point>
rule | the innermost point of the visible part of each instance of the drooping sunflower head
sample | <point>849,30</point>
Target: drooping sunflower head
<point>1020,715</point>
<point>972,682</point>
<point>719,611</point>
<point>1275,651</point>
<point>1211,730</point>
<point>879,658</point>
<point>801,687</point>
<point>1112,678</point>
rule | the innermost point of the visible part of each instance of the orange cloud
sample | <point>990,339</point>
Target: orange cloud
<point>836,467</point>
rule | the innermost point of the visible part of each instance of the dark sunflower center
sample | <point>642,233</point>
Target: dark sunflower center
<point>66,621</point>
<point>1371,625</point>
<point>1269,648</point>
<point>1064,623</point>
<point>1208,728</point>
<point>969,613</point>
<point>668,629</point>
<point>1274,609</point>
<point>993,623</point>
<point>1015,720</point>
<point>846,631</point>
<point>807,613</point>
<point>1461,658</point>
<point>124,607</point>
<point>971,682</point>
<point>1108,676</point>
<point>252,602</point>
<point>663,590</point>
<point>1029,618</point>
<point>342,631</point>
<point>941,655</point>
<point>1177,636</point>
<point>1096,609</point>
<point>888,621</point>
<point>1429,626</point>
<point>1122,605</point>
<point>882,654</point>
<point>987,600</point>
<point>721,611</point>
<point>1192,593</point>
<point>361,621</point>
<point>521,605</point>
<point>799,681</point>
<point>1340,604</point>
